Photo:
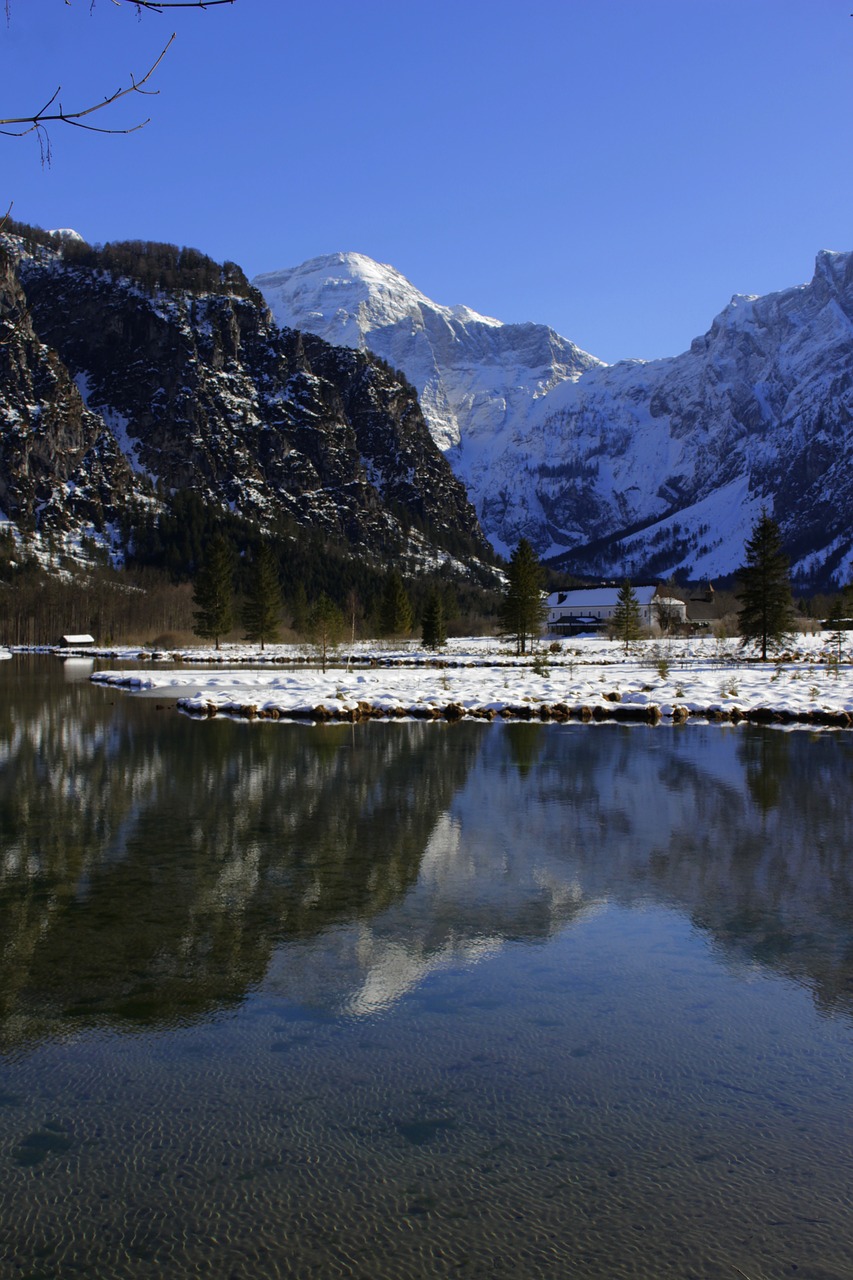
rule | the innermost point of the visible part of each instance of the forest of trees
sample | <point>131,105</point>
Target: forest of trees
<point>151,265</point>
<point>192,570</point>
<point>191,573</point>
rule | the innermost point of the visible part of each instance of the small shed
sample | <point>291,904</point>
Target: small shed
<point>76,642</point>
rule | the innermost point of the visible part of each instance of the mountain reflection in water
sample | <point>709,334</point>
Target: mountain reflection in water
<point>154,870</point>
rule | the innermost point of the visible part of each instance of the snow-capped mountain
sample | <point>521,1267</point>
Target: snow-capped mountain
<point>641,467</point>
<point>474,375</point>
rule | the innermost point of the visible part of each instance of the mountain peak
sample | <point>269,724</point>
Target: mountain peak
<point>647,467</point>
<point>343,296</point>
<point>834,269</point>
<point>460,361</point>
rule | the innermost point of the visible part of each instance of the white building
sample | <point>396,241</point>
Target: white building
<point>591,608</point>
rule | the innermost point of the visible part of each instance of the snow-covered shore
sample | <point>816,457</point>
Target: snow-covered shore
<point>587,679</point>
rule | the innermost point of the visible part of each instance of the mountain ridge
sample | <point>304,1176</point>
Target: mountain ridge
<point>354,301</point>
<point>640,467</point>
<point>169,368</point>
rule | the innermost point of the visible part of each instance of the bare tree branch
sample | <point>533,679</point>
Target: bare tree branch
<point>37,122</point>
<point>175,4</point>
<point>19,126</point>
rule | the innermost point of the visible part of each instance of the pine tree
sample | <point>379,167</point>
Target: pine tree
<point>523,609</point>
<point>835,620</point>
<point>434,629</point>
<point>212,591</point>
<point>626,622</point>
<point>262,604</point>
<point>325,627</point>
<point>395,614</point>
<point>766,615</point>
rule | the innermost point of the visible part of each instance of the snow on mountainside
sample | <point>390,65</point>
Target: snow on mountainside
<point>649,468</point>
<point>474,375</point>
<point>665,465</point>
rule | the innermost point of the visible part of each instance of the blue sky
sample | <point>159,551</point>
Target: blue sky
<point>614,168</point>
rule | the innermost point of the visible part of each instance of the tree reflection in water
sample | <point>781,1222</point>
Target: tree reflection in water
<point>153,868</point>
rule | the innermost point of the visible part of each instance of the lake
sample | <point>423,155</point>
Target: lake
<point>419,1000</point>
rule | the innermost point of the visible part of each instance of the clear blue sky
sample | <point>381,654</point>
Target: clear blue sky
<point>614,168</point>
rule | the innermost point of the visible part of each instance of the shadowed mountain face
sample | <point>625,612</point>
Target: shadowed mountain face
<point>114,382</point>
<point>154,869</point>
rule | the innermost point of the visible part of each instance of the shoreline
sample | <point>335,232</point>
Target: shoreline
<point>544,713</point>
<point>588,681</point>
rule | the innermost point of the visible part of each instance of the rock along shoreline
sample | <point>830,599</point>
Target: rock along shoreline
<point>544,713</point>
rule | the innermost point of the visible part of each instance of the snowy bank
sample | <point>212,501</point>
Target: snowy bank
<point>586,680</point>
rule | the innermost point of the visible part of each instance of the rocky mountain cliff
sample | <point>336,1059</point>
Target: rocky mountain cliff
<point>647,468</point>
<point>140,367</point>
<point>59,464</point>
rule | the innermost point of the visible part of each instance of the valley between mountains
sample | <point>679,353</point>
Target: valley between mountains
<point>639,468</point>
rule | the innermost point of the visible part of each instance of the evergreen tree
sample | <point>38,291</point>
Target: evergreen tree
<point>626,622</point>
<point>837,623</point>
<point>434,629</point>
<point>325,627</point>
<point>395,613</point>
<point>523,610</point>
<point>835,620</point>
<point>766,615</point>
<point>262,604</point>
<point>212,591</point>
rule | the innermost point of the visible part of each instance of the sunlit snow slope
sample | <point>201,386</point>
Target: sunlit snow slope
<point>475,376</point>
<point>644,468</point>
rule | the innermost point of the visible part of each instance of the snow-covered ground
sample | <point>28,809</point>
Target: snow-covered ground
<point>482,677</point>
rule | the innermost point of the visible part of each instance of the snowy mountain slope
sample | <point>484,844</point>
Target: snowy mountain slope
<point>648,468</point>
<point>474,375</point>
<point>658,464</point>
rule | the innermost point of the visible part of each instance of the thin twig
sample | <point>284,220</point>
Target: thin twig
<point>157,6</point>
<point>37,121</point>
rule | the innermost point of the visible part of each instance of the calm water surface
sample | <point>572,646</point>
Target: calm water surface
<point>419,1000</point>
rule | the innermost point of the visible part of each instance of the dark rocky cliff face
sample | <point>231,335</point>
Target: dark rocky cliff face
<point>59,465</point>
<point>109,387</point>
